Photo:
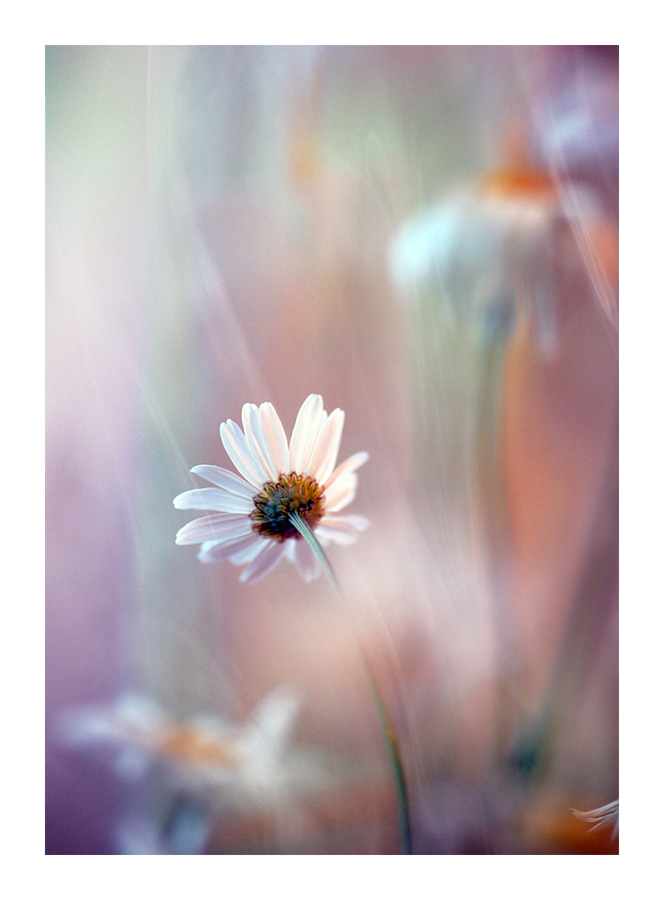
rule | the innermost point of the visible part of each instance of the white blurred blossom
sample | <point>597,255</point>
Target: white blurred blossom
<point>497,251</point>
<point>203,755</point>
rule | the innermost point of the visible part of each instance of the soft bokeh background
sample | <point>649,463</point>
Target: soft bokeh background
<point>226,224</point>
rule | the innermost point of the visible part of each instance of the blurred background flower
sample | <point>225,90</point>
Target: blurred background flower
<point>426,236</point>
<point>202,768</point>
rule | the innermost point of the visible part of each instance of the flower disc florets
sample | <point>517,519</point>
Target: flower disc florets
<point>293,493</point>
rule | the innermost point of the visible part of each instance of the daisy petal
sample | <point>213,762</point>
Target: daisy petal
<point>340,494</point>
<point>341,529</point>
<point>236,445</point>
<point>211,551</point>
<point>272,723</point>
<point>325,453</point>
<point>225,479</point>
<point>305,433</point>
<point>274,436</point>
<point>290,551</point>
<point>242,557</point>
<point>359,523</point>
<point>256,441</point>
<point>264,562</point>
<point>221,527</point>
<point>214,499</point>
<point>347,466</point>
<point>306,561</point>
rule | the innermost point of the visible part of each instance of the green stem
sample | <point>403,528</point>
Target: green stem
<point>298,522</point>
<point>492,480</point>
<point>395,761</point>
<point>389,734</point>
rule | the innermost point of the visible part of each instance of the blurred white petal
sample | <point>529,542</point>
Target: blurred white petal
<point>327,447</point>
<point>275,438</point>
<point>341,529</point>
<point>305,433</point>
<point>265,561</point>
<point>236,445</point>
<point>220,527</point>
<point>213,551</point>
<point>229,481</point>
<point>341,493</point>
<point>347,467</point>
<point>256,441</point>
<point>305,560</point>
<point>214,499</point>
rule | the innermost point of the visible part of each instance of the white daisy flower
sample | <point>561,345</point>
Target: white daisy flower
<point>251,525</point>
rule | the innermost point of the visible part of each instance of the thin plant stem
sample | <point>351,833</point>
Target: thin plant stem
<point>491,475</point>
<point>298,522</point>
<point>389,734</point>
<point>398,773</point>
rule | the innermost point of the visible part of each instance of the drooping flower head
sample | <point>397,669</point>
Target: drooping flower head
<point>252,524</point>
<point>511,245</point>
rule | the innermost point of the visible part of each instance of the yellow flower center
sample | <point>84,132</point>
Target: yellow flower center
<point>185,745</point>
<point>278,500</point>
